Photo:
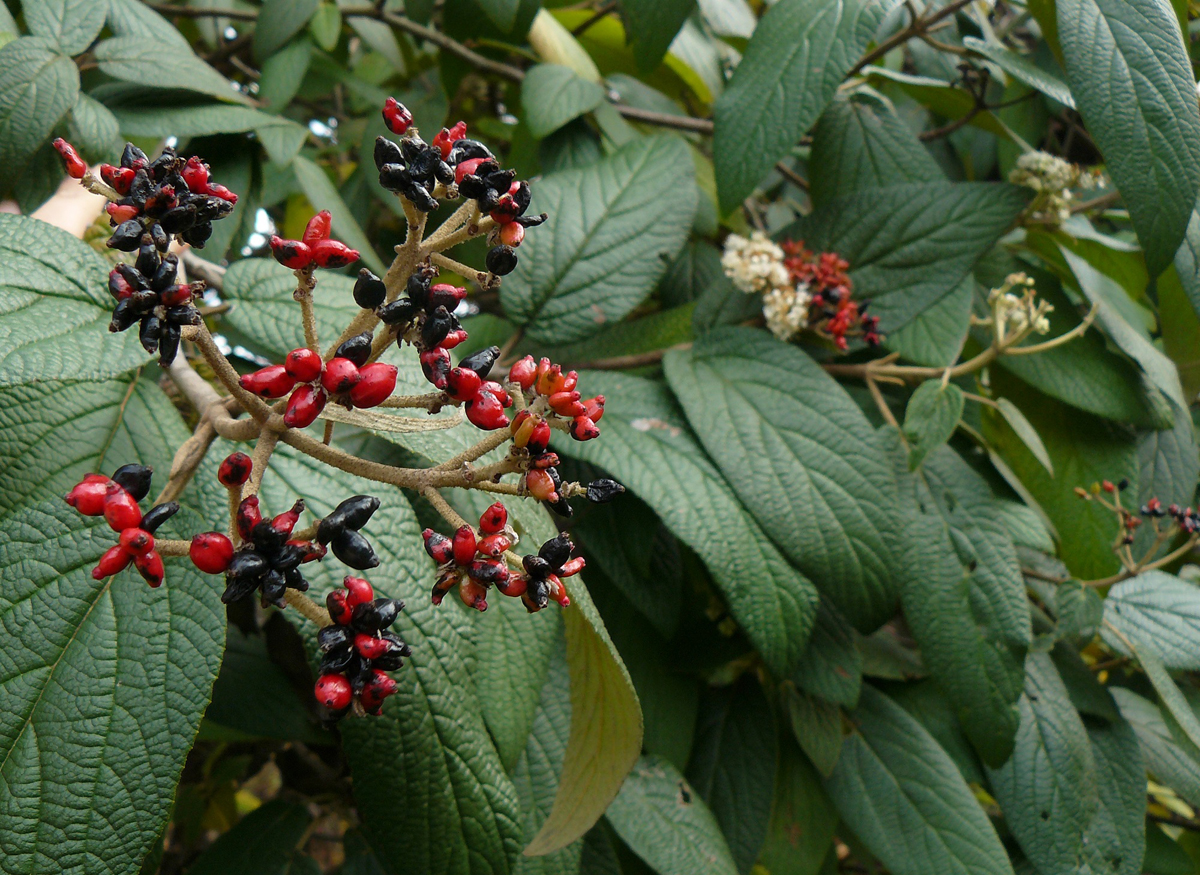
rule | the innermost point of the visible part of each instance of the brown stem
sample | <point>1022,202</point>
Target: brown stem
<point>306,606</point>
<point>918,26</point>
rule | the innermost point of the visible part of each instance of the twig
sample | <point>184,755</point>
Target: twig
<point>604,9</point>
<point>916,28</point>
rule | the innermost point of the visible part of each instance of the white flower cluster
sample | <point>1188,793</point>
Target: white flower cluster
<point>1052,178</point>
<point>755,264</point>
<point>1013,314</point>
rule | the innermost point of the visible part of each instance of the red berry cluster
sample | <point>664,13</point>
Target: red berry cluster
<point>358,651</point>
<point>831,311</point>
<point>146,293</point>
<point>472,560</point>
<point>314,247</point>
<point>116,499</point>
<point>347,378</point>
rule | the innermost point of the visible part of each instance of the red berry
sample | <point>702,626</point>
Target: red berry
<point>176,296</point>
<point>512,234</point>
<point>136,541</point>
<point>445,295</point>
<point>303,364</point>
<point>332,254</point>
<point>370,647</point>
<point>248,516</point>
<point>120,178</point>
<point>121,212</point>
<point>494,519</point>
<point>313,549</point>
<point>304,407</point>
<point>464,545</point>
<point>75,165</point>
<point>318,227</point>
<point>286,521</point>
<point>486,411</point>
<point>572,567</point>
<point>473,595</point>
<point>463,384</point>
<point>396,116</point>
<point>540,485</point>
<point>88,496</point>
<point>235,469</point>
<point>515,585</point>
<point>291,253</point>
<point>435,364</point>
<point>211,552</point>
<point>358,591</point>
<point>222,192</point>
<point>593,408</point>
<point>195,175</point>
<point>438,546</point>
<point>341,375</point>
<point>466,168</point>
<point>558,591</point>
<point>114,560</point>
<point>339,607</point>
<point>1107,486</point>
<point>272,381</point>
<point>539,439</point>
<point>583,429</point>
<point>378,688</point>
<point>120,509</point>
<point>546,373</point>
<point>494,388</point>
<point>566,404</point>
<point>445,139</point>
<point>377,383</point>
<point>494,545</point>
<point>150,566</point>
<point>453,338</point>
<point>333,691</point>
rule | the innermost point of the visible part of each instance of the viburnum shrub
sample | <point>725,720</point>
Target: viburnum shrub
<point>738,437</point>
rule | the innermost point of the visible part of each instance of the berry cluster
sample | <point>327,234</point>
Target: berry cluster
<point>831,312</point>
<point>542,580</point>
<point>358,651</point>
<point>473,561</point>
<point>146,293</point>
<point>423,315</point>
<point>347,378</point>
<point>314,248</point>
<point>269,559</point>
<point>116,499</point>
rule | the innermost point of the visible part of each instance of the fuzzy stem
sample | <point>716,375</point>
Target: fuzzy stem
<point>306,606</point>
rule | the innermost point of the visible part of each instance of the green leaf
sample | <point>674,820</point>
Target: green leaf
<point>648,447</point>
<point>503,13</point>
<point>802,819</point>
<point>860,144</point>
<point>831,667</point>
<point>283,74</point>
<point>135,18</point>
<point>553,95</point>
<point>613,228</point>
<point>1165,758</point>
<point>37,87</point>
<point>1159,609</point>
<point>793,65</point>
<point>936,336</point>
<point>1177,713</point>
<point>1024,430</point>
<point>54,294</point>
<point>93,129</point>
<point>1022,68</point>
<point>904,798</point>
<point>322,193</point>
<point>666,823</point>
<point>216,118</point>
<point>261,843</point>
<point>263,310</point>
<point>278,22</point>
<point>651,25</point>
<point>733,765</point>
<point>149,62</point>
<point>1115,841</point>
<point>1187,261</point>
<point>326,26</point>
<point>1130,74</point>
<point>816,725</point>
<point>911,245</point>
<point>930,419</point>
<point>935,711</point>
<point>69,24</point>
<point>800,455</point>
<point>1164,855</point>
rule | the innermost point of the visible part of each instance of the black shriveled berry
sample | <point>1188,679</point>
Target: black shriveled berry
<point>354,550</point>
<point>386,152</point>
<point>127,236</point>
<point>465,149</point>
<point>556,551</point>
<point>369,290</point>
<point>602,490</point>
<point>357,349</point>
<point>481,362</point>
<point>399,311</point>
<point>501,260</point>
<point>158,515</point>
<point>134,479</point>
<point>352,514</point>
<point>437,325</point>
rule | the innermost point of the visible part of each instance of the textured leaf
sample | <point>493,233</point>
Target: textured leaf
<point>1023,69</point>
<point>798,56</point>
<point>651,25</point>
<point>278,22</point>
<point>817,726</point>
<point>1129,72</point>
<point>69,24</point>
<point>1024,430</point>
<point>733,766</point>
<point>911,245</point>
<point>196,121</point>
<point>261,843</point>
<point>56,306</point>
<point>553,95</point>
<point>1178,714</point>
<point>147,61</point>
<point>37,87</point>
<point>860,144</point>
<point>831,667</point>
<point>904,798</point>
<point>667,824</point>
<point>320,190</point>
<point>1115,841</point>
<point>935,711</point>
<point>647,446</point>
<point>802,458</point>
<point>1165,758</point>
<point>135,18</point>
<point>93,129</point>
<point>930,419</point>
<point>802,819</point>
<point>613,228</point>
<point>1159,609</point>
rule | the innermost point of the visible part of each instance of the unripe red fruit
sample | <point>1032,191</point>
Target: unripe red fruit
<point>378,381</point>
<point>291,253</point>
<point>593,408</point>
<point>113,561</point>
<point>494,519</point>
<point>339,607</point>
<point>445,139</point>
<point>464,545</point>
<point>540,485</point>
<point>358,591</point>
<point>515,585</point>
<point>136,541</point>
<point>566,404</point>
<point>120,509</point>
<point>248,516</point>
<point>572,566</point>
<point>341,375</point>
<point>318,227</point>
<point>558,592</point>
<point>303,364</point>
<point>539,438</point>
<point>211,552</point>
<point>235,469</point>
<point>287,520</point>
<point>121,212</point>
<point>463,384</point>
<point>494,388</point>
<point>396,116</point>
<point>445,295</point>
<point>176,296</point>
<point>75,165</point>
<point>435,364</point>
<point>304,407</point>
<point>473,595</point>
<point>223,193</point>
<point>512,234</point>
<point>88,497</point>
<point>195,174</point>
<point>438,546</point>
<point>467,168</point>
<point>272,381</point>
<point>486,411</point>
<point>583,429</point>
<point>332,254</point>
<point>150,566</point>
<point>370,647</point>
<point>333,691</point>
<point>494,545</point>
<point>453,338</point>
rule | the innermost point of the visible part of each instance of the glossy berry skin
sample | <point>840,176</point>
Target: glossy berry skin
<point>74,165</point>
<point>234,470</point>
<point>435,364</point>
<point>333,691</point>
<point>523,372</point>
<point>332,254</point>
<point>486,411</point>
<point>494,519</point>
<point>303,365</point>
<point>501,260</point>
<point>396,116</point>
<point>369,290</point>
<point>464,545</point>
<point>512,234</point>
<point>378,381</point>
<point>357,349</point>
<point>134,479</point>
<point>113,561</point>
<point>583,429</point>
<point>463,384</point>
<point>340,375</point>
<point>540,486</point>
<point>272,381</point>
<point>304,407</point>
<point>291,253</point>
<point>358,591</point>
<point>211,552</point>
<point>602,490</point>
<point>494,545</point>
<point>473,595</point>
<point>370,646</point>
<point>438,546</point>
<point>136,541</point>
<point>318,228</point>
<point>121,511</point>
<point>150,566</point>
<point>88,496</point>
<point>339,607</point>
